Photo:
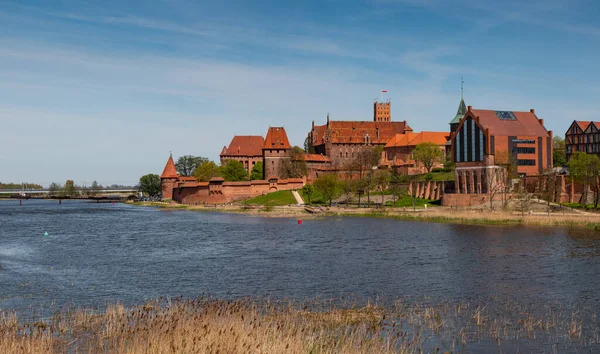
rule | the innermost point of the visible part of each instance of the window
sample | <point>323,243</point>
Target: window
<point>523,141</point>
<point>526,162</point>
<point>346,154</point>
<point>341,155</point>
<point>525,150</point>
<point>505,115</point>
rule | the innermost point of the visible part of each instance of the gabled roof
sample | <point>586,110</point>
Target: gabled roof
<point>170,171</point>
<point>583,124</point>
<point>276,139</point>
<point>244,145</point>
<point>414,139</point>
<point>523,124</point>
<point>462,110</point>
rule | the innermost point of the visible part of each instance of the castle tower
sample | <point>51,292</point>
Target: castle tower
<point>382,111</point>
<point>169,179</point>
<point>275,150</point>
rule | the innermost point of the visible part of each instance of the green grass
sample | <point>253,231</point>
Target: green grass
<point>273,199</point>
<point>406,201</point>
<point>315,198</point>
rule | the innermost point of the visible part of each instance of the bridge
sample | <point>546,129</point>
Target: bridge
<point>99,195</point>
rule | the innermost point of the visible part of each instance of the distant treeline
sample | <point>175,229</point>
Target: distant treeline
<point>28,186</point>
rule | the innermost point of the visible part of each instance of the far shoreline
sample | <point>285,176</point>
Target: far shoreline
<point>445,215</point>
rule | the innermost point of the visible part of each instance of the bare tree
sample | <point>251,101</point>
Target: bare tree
<point>495,182</point>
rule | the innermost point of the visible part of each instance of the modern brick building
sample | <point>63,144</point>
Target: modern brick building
<point>486,140</point>
<point>274,151</point>
<point>582,136</point>
<point>246,149</point>
<point>341,141</point>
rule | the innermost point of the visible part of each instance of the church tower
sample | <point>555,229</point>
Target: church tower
<point>460,113</point>
<point>382,111</point>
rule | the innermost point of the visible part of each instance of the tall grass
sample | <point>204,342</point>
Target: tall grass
<point>262,326</point>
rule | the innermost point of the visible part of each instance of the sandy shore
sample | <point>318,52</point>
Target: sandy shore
<point>566,217</point>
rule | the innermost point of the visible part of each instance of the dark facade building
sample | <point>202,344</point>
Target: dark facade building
<point>582,136</point>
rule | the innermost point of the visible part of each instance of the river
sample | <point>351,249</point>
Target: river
<point>96,254</point>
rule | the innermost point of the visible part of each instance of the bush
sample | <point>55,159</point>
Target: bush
<point>428,177</point>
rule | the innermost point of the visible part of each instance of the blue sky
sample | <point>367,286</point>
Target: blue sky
<point>104,90</point>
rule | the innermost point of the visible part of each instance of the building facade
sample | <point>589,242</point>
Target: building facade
<point>489,146</point>
<point>582,136</point>
<point>342,141</point>
<point>246,149</point>
<point>398,152</point>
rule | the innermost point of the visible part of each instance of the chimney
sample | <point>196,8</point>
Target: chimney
<point>532,111</point>
<point>541,121</point>
<point>469,108</point>
<point>313,125</point>
<point>550,134</point>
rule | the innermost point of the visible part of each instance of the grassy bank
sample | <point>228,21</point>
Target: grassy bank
<point>262,326</point>
<point>433,214</point>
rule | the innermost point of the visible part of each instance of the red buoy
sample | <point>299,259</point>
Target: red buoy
<point>299,221</point>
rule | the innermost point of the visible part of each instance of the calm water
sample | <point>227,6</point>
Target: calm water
<point>100,253</point>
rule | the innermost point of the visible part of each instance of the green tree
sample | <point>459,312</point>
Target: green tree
<point>150,185</point>
<point>329,186</point>
<point>206,170</point>
<point>187,164</point>
<point>94,189</point>
<point>54,189</point>
<point>559,153</point>
<point>233,170</point>
<point>257,171</point>
<point>428,154</point>
<point>295,165</point>
<point>70,189</point>
<point>308,190</point>
<point>382,180</point>
<point>585,169</point>
<point>308,146</point>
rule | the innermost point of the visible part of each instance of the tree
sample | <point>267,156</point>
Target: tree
<point>295,165</point>
<point>308,190</point>
<point>233,170</point>
<point>54,188</point>
<point>584,169</point>
<point>495,182</point>
<point>150,185</point>
<point>205,171</point>
<point>559,153</point>
<point>187,164</point>
<point>70,189</point>
<point>94,189</point>
<point>523,200</point>
<point>368,158</point>
<point>329,186</point>
<point>308,146</point>
<point>257,171</point>
<point>382,179</point>
<point>428,154</point>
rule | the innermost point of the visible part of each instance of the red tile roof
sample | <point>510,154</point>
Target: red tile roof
<point>526,123</point>
<point>583,124</point>
<point>276,139</point>
<point>414,139</point>
<point>244,145</point>
<point>170,171</point>
<point>314,158</point>
<point>354,132</point>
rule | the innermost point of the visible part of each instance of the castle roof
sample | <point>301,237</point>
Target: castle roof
<point>276,139</point>
<point>462,110</point>
<point>354,132</point>
<point>170,171</point>
<point>414,139</point>
<point>510,123</point>
<point>244,145</point>
<point>314,158</point>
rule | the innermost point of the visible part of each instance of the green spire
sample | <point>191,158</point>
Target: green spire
<point>462,107</point>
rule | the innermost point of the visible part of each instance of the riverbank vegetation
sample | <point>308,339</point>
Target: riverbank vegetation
<point>273,199</point>
<point>334,326</point>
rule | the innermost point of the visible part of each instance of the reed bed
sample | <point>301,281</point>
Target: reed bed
<point>206,325</point>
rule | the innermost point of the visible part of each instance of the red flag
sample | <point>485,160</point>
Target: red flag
<point>383,90</point>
